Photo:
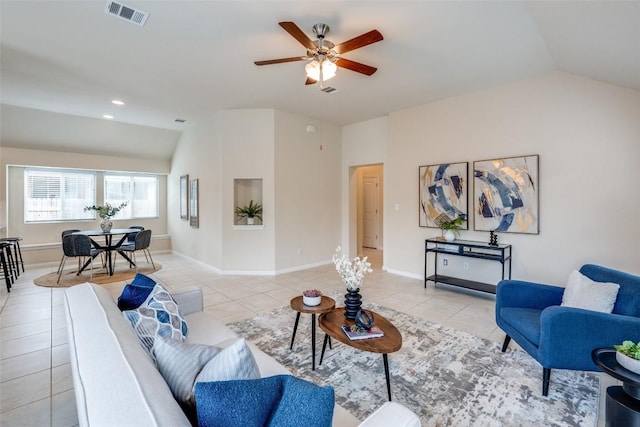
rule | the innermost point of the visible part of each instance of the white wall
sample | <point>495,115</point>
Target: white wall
<point>198,154</point>
<point>587,134</point>
<point>247,138</point>
<point>301,191</point>
<point>307,171</point>
<point>363,143</point>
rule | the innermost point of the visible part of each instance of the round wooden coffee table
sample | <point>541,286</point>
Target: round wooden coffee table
<point>326,305</point>
<point>332,321</point>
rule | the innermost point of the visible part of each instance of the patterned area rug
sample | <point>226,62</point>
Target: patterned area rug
<point>448,377</point>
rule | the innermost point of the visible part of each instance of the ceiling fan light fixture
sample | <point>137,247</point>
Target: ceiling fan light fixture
<point>328,70</point>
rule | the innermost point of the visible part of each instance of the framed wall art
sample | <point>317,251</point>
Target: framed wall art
<point>443,193</point>
<point>184,197</point>
<point>506,195</point>
<point>193,203</point>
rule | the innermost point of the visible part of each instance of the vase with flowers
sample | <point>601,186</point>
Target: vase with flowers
<point>352,273</point>
<point>106,212</point>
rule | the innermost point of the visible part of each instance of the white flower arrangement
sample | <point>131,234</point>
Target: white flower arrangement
<point>351,272</point>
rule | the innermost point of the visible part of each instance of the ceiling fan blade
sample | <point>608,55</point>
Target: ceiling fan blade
<point>358,42</point>
<point>355,66</point>
<point>281,60</point>
<point>298,34</point>
<point>310,81</point>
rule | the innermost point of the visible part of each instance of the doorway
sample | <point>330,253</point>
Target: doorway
<point>370,207</point>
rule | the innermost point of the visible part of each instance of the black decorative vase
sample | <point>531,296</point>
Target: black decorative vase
<point>352,303</point>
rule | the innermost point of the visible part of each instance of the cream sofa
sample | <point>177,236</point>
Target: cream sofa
<point>116,382</point>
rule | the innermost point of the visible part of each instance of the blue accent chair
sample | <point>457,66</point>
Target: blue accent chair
<point>563,337</point>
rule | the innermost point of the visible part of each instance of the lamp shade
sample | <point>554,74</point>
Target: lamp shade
<point>313,69</point>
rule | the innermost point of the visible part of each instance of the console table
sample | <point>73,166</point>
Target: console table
<point>470,249</point>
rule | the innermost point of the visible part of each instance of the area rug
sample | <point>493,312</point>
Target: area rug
<point>448,377</point>
<point>122,273</point>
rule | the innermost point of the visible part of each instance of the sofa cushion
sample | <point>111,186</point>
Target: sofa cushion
<point>582,292</point>
<point>159,315</point>
<point>134,294</point>
<point>281,400</point>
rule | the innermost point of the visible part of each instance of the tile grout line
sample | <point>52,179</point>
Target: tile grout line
<point>51,360</point>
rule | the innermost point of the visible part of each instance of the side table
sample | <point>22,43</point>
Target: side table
<point>623,402</point>
<point>326,305</point>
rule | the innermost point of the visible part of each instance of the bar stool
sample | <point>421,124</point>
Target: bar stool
<point>18,252</point>
<point>8,249</point>
<point>8,279</point>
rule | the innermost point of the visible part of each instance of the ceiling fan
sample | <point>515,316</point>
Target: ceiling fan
<point>324,57</point>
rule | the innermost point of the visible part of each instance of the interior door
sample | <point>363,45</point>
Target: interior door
<point>370,212</point>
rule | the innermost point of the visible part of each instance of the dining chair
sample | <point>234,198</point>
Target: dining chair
<point>77,246</point>
<point>132,237</point>
<point>141,243</point>
<point>66,233</point>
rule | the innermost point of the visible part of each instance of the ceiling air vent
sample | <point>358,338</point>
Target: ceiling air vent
<point>329,89</point>
<point>127,13</point>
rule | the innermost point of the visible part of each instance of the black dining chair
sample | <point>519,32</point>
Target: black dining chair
<point>141,243</point>
<point>132,237</point>
<point>77,246</point>
<point>66,233</point>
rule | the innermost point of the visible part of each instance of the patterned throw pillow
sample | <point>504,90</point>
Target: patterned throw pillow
<point>159,315</point>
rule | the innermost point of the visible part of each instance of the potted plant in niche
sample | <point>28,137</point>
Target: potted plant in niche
<point>251,211</point>
<point>452,227</point>
<point>106,212</point>
<point>628,355</point>
<point>311,297</point>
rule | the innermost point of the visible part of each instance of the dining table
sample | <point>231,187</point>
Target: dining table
<point>108,246</point>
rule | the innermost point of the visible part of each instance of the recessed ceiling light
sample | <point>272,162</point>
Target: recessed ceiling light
<point>107,116</point>
<point>117,102</point>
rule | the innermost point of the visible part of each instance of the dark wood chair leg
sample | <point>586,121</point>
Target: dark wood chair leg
<point>505,344</point>
<point>546,379</point>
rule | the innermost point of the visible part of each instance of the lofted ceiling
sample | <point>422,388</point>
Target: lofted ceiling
<point>192,58</point>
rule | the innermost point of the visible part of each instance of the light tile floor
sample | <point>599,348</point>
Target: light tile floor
<point>35,377</point>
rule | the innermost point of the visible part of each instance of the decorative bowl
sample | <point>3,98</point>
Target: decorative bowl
<point>628,362</point>
<point>311,301</point>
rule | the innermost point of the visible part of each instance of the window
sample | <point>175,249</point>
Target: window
<point>58,195</point>
<point>141,192</point>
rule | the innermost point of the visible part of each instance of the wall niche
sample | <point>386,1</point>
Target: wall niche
<point>247,193</point>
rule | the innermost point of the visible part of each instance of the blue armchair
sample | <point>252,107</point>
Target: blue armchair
<point>563,337</point>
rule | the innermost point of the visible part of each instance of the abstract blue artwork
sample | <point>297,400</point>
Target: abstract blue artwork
<point>506,195</point>
<point>443,193</point>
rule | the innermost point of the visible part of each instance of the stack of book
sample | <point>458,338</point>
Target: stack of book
<point>353,334</point>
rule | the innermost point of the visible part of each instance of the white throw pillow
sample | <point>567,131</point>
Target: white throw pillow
<point>582,292</point>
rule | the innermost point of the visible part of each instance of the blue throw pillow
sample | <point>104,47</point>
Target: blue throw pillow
<point>135,293</point>
<point>303,403</point>
<point>278,401</point>
<point>246,403</point>
<point>142,280</point>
